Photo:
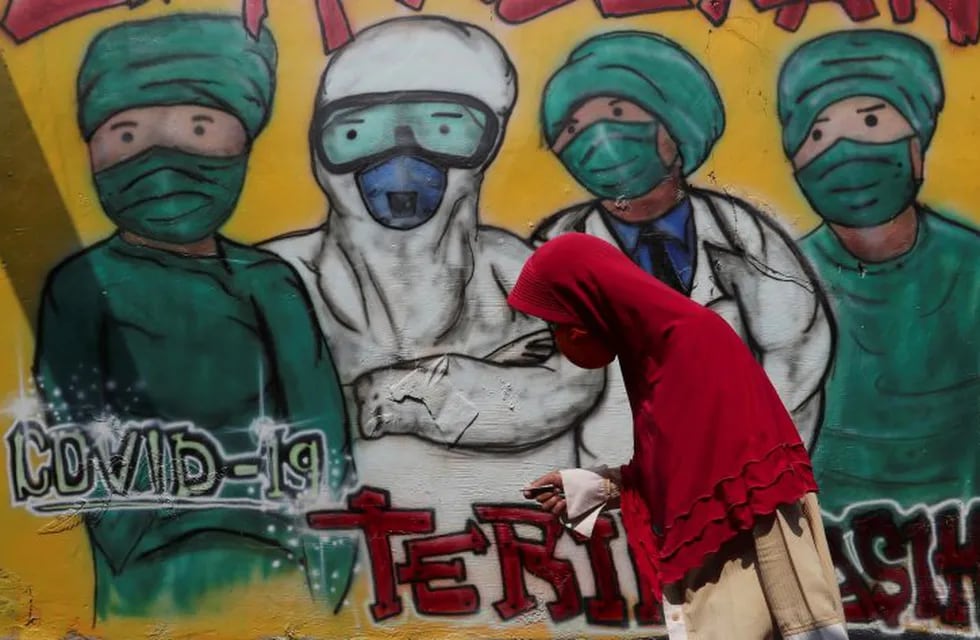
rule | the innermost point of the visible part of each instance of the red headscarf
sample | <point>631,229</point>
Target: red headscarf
<point>713,446</point>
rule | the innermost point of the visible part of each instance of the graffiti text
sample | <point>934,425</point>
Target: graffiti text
<point>139,465</point>
<point>25,19</point>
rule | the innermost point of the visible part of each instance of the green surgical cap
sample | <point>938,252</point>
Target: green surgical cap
<point>650,71</point>
<point>895,67</point>
<point>204,60</point>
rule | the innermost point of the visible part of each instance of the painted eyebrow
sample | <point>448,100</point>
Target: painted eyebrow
<point>125,123</point>
<point>350,121</point>
<point>446,114</point>
<point>202,117</point>
<point>877,107</point>
<point>819,120</point>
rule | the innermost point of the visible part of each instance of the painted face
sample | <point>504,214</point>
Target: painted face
<point>615,148</point>
<point>861,163</point>
<point>171,174</point>
<point>401,149</point>
<point>581,348</point>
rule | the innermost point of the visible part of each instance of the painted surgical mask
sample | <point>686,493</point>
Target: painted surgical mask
<point>616,159</point>
<point>860,184</point>
<point>168,195</point>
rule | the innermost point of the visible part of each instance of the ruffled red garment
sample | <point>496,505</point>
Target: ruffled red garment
<point>780,478</point>
<point>714,449</point>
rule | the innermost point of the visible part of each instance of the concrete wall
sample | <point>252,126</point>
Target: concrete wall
<point>326,436</point>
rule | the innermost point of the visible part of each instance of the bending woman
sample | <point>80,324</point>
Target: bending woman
<point>719,500</point>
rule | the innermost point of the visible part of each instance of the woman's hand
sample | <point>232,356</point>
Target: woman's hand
<point>552,500</point>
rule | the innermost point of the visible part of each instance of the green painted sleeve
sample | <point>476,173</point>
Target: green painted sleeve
<point>67,362</point>
<point>305,371</point>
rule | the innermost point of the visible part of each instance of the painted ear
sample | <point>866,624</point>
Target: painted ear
<point>916,156</point>
<point>667,148</point>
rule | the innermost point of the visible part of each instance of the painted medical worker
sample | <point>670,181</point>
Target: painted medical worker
<point>410,288</point>
<point>632,116</point>
<point>859,110</point>
<point>169,321</point>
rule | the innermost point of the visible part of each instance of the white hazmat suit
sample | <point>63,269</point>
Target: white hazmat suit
<point>455,399</point>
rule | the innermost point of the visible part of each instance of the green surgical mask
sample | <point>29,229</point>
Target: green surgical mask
<point>616,159</point>
<point>860,184</point>
<point>168,195</point>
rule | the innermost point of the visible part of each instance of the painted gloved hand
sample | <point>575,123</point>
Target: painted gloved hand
<point>416,400</point>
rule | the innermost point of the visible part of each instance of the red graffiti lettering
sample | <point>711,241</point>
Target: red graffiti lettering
<point>918,532</point>
<point>518,11</point>
<point>618,8</point>
<point>962,19</point>
<point>368,510</point>
<point>254,13</point>
<point>902,10</point>
<point>896,565</point>
<point>716,11</point>
<point>334,27</point>
<point>899,561</point>
<point>881,563</point>
<point>790,15</point>
<point>958,563</point>
<point>518,555</point>
<point>446,601</point>
<point>24,19</point>
<point>858,604</point>
<point>608,606</point>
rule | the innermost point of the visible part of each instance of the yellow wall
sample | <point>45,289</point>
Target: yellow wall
<point>45,572</point>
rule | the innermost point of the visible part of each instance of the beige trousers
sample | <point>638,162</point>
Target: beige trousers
<point>777,581</point>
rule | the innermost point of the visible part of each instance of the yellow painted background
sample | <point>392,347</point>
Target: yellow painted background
<point>46,578</point>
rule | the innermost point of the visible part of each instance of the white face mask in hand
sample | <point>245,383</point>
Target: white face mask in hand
<point>587,493</point>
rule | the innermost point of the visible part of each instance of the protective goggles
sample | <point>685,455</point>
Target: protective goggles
<point>447,129</point>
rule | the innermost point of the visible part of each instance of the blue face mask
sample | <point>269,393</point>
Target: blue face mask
<point>402,192</point>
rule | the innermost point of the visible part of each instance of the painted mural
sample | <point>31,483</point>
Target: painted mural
<point>261,377</point>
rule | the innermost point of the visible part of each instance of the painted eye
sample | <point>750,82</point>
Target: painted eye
<point>871,120</point>
<point>199,130</point>
<point>127,137</point>
<point>444,129</point>
<point>816,135</point>
<point>351,134</point>
<point>617,111</point>
<point>571,129</point>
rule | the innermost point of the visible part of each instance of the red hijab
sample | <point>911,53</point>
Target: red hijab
<point>713,446</point>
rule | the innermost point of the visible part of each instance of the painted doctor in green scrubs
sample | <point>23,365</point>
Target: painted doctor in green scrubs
<point>859,110</point>
<point>167,320</point>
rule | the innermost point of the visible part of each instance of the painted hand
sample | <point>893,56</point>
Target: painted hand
<point>552,501</point>
<point>380,414</point>
<point>417,401</point>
